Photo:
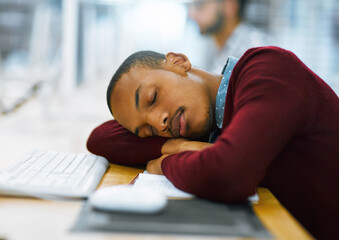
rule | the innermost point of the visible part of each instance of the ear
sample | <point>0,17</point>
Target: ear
<point>178,61</point>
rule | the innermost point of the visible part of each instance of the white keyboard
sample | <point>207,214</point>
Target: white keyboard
<point>47,174</point>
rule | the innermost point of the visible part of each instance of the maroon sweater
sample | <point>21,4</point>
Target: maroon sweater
<point>280,131</point>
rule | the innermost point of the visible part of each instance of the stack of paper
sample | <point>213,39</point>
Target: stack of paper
<point>160,183</point>
<point>163,185</point>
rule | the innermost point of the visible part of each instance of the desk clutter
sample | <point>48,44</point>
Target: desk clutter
<point>184,217</point>
<point>141,207</point>
<point>185,214</point>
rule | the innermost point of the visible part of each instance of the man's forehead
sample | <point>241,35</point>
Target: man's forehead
<point>123,96</point>
<point>134,77</point>
<point>122,101</point>
<point>123,90</point>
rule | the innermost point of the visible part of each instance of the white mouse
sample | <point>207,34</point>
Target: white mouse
<point>126,198</point>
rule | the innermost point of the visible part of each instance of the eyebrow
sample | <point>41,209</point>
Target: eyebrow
<point>137,98</point>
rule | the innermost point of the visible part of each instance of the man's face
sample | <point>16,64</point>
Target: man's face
<point>207,14</point>
<point>159,102</point>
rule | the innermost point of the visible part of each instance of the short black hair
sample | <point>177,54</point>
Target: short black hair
<point>144,59</point>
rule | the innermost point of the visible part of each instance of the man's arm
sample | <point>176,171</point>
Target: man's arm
<point>118,145</point>
<point>263,112</point>
<point>176,145</point>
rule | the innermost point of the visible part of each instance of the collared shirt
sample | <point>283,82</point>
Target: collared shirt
<point>221,96</point>
<point>243,37</point>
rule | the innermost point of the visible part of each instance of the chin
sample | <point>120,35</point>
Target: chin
<point>202,137</point>
<point>203,133</point>
<point>202,127</point>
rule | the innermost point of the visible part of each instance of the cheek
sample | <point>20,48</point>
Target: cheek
<point>200,113</point>
<point>200,117</point>
<point>209,13</point>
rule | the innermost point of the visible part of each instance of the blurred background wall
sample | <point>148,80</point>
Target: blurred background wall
<point>55,46</point>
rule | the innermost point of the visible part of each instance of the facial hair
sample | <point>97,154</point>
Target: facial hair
<point>215,26</point>
<point>208,126</point>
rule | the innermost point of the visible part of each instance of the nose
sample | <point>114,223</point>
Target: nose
<point>159,121</point>
<point>163,121</point>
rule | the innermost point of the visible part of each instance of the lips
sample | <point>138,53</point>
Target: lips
<point>183,125</point>
<point>179,124</point>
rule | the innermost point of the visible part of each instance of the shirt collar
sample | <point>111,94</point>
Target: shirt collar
<point>222,91</point>
<point>221,97</point>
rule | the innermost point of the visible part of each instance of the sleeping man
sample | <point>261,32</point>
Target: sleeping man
<point>267,120</point>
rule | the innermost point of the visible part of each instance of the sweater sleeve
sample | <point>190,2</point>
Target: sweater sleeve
<point>264,108</point>
<point>118,145</point>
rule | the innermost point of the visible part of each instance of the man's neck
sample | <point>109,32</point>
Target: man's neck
<point>225,32</point>
<point>212,82</point>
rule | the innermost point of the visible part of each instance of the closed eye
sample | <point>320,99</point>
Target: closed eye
<point>154,98</point>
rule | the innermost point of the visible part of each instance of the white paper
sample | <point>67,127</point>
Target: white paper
<point>163,185</point>
<point>160,183</point>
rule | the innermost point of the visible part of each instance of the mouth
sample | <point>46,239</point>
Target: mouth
<point>179,124</point>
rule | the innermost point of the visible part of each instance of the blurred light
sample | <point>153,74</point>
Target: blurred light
<point>164,19</point>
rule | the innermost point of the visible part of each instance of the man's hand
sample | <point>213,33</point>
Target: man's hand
<point>176,145</point>
<point>154,166</point>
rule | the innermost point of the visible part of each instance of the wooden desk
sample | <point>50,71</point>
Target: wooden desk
<point>34,219</point>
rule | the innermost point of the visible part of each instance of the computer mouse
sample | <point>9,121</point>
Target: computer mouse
<point>126,198</point>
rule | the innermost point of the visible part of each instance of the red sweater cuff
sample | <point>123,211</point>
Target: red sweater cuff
<point>118,145</point>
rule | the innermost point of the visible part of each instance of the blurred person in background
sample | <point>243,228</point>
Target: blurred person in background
<point>224,21</point>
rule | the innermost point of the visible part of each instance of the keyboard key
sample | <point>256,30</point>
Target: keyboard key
<point>75,163</point>
<point>43,161</point>
<point>25,157</point>
<point>53,164</point>
<point>20,169</point>
<point>38,153</point>
<point>64,164</point>
<point>24,178</point>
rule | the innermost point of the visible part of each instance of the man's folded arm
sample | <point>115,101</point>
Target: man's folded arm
<point>268,111</point>
<point>118,145</point>
<point>231,169</point>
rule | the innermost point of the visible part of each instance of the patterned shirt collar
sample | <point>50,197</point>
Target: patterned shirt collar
<point>221,97</point>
